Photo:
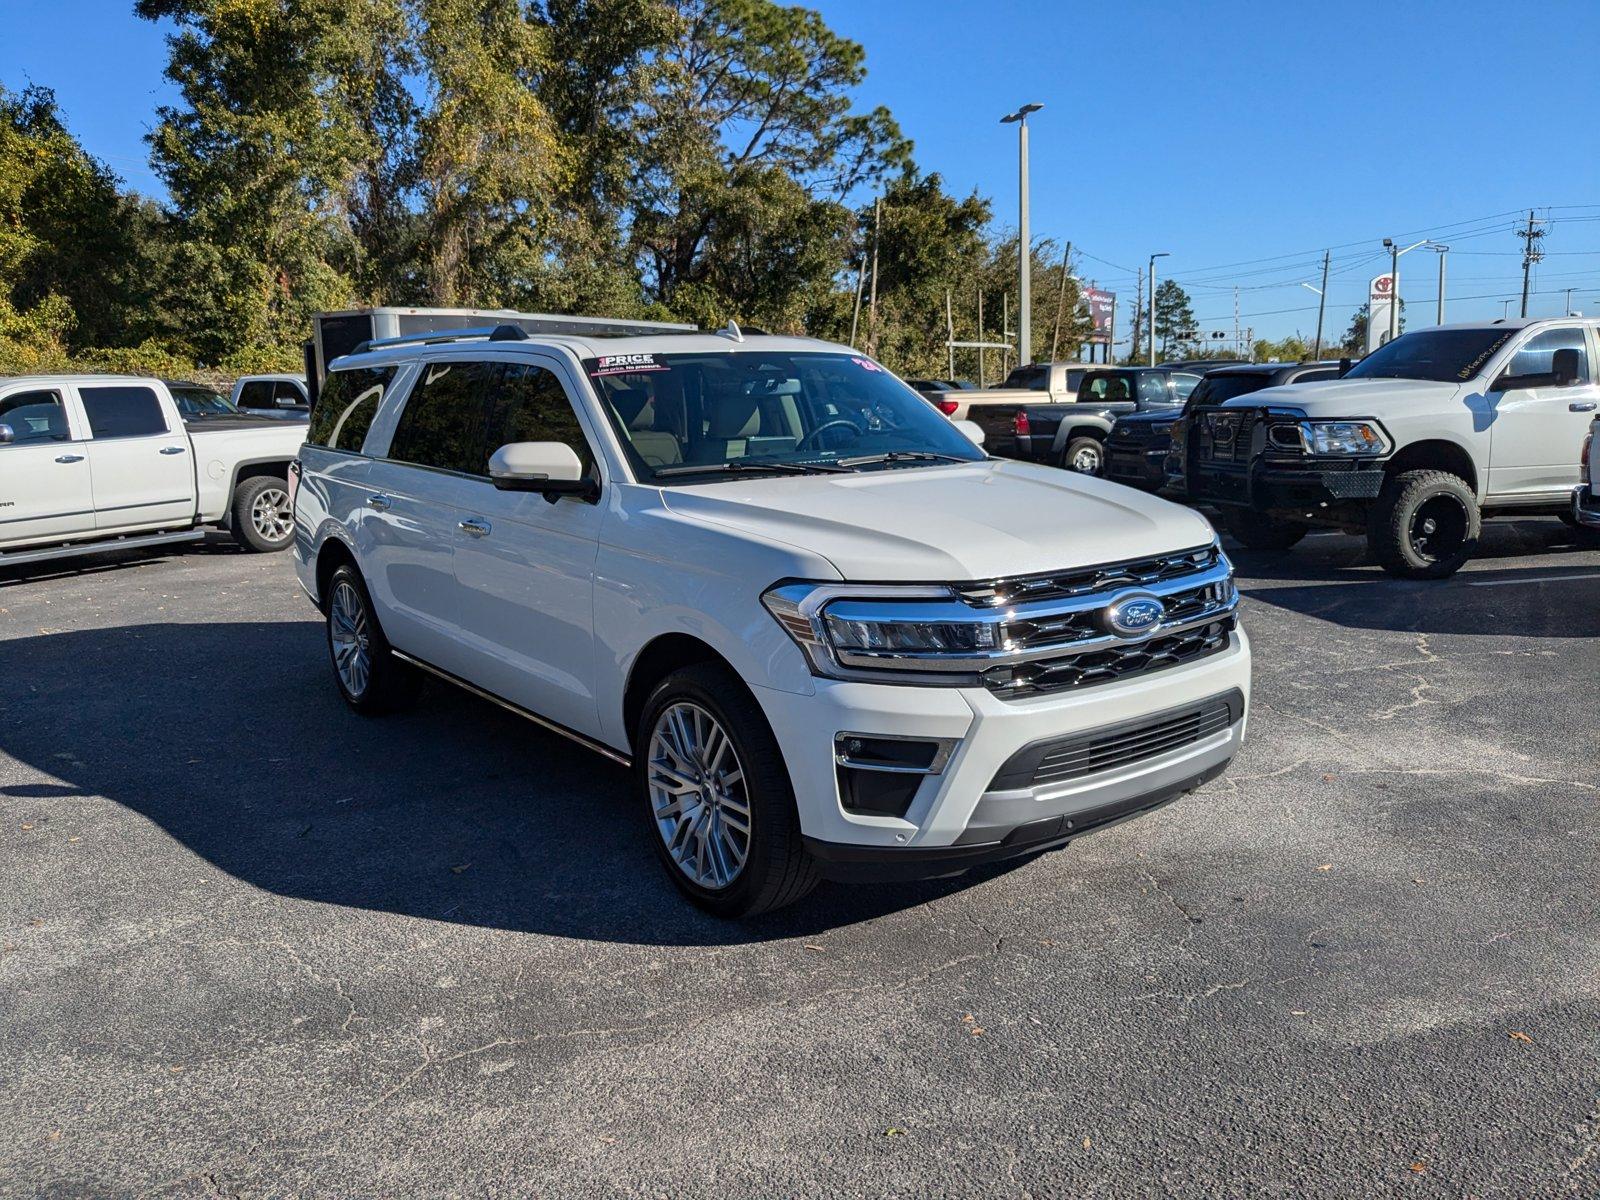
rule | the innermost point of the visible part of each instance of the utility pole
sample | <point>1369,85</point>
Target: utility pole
<point>1005,333</point>
<point>1566,309</point>
<point>1061,303</point>
<point>1236,319</point>
<point>855,317</point>
<point>1322,305</point>
<point>1441,250</point>
<point>950,332</point>
<point>1153,257</point>
<point>1138,315</point>
<point>1531,253</point>
<point>872,321</point>
<point>980,335</point>
<point>1394,291</point>
<point>1024,247</point>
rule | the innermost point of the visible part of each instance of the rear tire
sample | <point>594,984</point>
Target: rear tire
<point>698,721</point>
<point>1258,531</point>
<point>263,518</point>
<point>1085,455</point>
<point>1424,525</point>
<point>368,675</point>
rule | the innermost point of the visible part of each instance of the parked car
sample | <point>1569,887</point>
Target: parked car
<point>1422,439</point>
<point>1199,366</point>
<point>933,391</point>
<point>1072,434</point>
<point>1057,381</point>
<point>105,462</point>
<point>828,634</point>
<point>1139,444</point>
<point>1586,496</point>
<point>196,401</point>
<point>281,396</point>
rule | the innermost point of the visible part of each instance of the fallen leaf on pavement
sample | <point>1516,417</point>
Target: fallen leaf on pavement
<point>1417,1168</point>
<point>1518,1036</point>
<point>459,867</point>
<point>1325,867</point>
<point>809,946</point>
<point>1087,1143</point>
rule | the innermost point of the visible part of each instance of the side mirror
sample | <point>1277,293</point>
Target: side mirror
<point>972,429</point>
<point>1344,367</point>
<point>1564,366</point>
<point>549,468</point>
<point>7,434</point>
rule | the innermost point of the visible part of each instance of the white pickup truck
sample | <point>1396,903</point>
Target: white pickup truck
<point>1586,496</point>
<point>103,462</point>
<point>831,635</point>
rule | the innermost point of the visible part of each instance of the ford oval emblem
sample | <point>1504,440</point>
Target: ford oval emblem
<point>1134,615</point>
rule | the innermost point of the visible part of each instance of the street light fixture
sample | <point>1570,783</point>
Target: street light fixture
<point>1024,248</point>
<point>1394,282</point>
<point>1153,257</point>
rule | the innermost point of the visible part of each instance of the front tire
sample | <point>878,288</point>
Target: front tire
<point>1424,525</point>
<point>1085,455</point>
<point>263,518</point>
<point>717,797</point>
<point>1257,531</point>
<point>369,677</point>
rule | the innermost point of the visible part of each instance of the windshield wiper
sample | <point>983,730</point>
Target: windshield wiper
<point>894,456</point>
<point>739,468</point>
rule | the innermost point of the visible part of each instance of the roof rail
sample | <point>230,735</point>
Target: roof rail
<point>495,333</point>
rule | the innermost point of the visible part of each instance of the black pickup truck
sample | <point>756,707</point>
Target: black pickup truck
<point>1139,445</point>
<point>1072,433</point>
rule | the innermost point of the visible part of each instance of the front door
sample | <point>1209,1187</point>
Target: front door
<point>139,459</point>
<point>1536,434</point>
<point>45,494</point>
<point>526,564</point>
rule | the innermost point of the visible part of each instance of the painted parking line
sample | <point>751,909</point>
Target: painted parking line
<point>1541,579</point>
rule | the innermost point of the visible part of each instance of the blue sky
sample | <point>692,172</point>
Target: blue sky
<point>1243,138</point>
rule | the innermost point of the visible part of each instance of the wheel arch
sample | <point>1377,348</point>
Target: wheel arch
<point>658,658</point>
<point>331,555</point>
<point>1435,454</point>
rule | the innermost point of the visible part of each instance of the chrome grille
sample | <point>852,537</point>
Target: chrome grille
<point>1086,581</point>
<point>1111,663</point>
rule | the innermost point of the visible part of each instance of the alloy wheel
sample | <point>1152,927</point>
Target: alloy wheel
<point>272,515</point>
<point>1086,461</point>
<point>347,630</point>
<point>698,795</point>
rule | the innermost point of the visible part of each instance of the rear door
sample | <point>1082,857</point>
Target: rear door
<point>45,492</point>
<point>140,461</point>
<point>1537,433</point>
<point>525,564</point>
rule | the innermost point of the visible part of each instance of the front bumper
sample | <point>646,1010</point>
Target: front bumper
<point>1143,467</point>
<point>1586,506</point>
<point>1267,486</point>
<point>959,817</point>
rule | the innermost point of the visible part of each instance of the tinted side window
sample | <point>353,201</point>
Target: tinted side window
<point>530,405</point>
<point>285,391</point>
<point>34,417</point>
<point>256,395</point>
<point>443,422</point>
<point>345,407</point>
<point>122,412</point>
<point>1153,389</point>
<point>1537,356</point>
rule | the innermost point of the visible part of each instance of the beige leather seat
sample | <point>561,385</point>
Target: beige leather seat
<point>656,446</point>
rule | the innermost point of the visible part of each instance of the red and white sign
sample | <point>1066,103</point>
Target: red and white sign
<point>1380,305</point>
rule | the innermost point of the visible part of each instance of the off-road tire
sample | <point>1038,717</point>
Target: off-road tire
<point>777,870</point>
<point>1258,531</point>
<point>391,684</point>
<point>1424,525</point>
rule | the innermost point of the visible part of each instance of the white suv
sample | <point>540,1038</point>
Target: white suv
<point>829,634</point>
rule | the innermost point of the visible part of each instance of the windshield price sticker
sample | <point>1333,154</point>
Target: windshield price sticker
<point>626,364</point>
<point>866,364</point>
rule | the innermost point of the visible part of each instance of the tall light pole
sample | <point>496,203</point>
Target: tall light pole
<point>1153,257</point>
<point>1024,248</point>
<point>1322,304</point>
<point>1394,282</point>
<point>1441,250</point>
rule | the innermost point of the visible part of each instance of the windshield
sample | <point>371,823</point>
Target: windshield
<point>1444,355</point>
<point>1218,389</point>
<point>1032,379</point>
<point>202,402</point>
<point>684,418</point>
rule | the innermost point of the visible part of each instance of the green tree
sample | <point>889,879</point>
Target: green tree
<point>1175,325</point>
<point>1354,341</point>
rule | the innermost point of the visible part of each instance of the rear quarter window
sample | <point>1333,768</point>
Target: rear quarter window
<point>345,407</point>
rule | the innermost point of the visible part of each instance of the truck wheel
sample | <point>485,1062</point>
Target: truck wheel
<point>1424,525</point>
<point>263,518</point>
<point>717,795</point>
<point>370,678</point>
<point>1257,531</point>
<point>1084,455</point>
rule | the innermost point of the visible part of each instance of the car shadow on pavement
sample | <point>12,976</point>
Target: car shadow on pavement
<point>232,739</point>
<point>96,562</point>
<point>1499,593</point>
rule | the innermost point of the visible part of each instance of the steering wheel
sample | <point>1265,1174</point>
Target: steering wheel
<point>805,442</point>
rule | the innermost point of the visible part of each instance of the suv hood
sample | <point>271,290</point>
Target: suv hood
<point>958,523</point>
<point>1348,397</point>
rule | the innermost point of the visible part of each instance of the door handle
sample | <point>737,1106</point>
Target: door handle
<point>70,458</point>
<point>1581,406</point>
<point>380,502</point>
<point>172,449</point>
<point>475,527</point>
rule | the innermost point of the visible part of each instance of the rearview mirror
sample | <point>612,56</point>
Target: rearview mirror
<point>972,429</point>
<point>550,468</point>
<point>7,434</point>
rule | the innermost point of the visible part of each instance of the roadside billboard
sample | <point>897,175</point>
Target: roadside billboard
<point>1102,315</point>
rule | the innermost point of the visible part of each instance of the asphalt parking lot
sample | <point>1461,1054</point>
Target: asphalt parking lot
<point>256,946</point>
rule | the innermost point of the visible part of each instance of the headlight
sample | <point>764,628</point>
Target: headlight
<point>1343,437</point>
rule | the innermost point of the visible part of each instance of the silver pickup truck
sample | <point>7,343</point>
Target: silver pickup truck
<point>104,462</point>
